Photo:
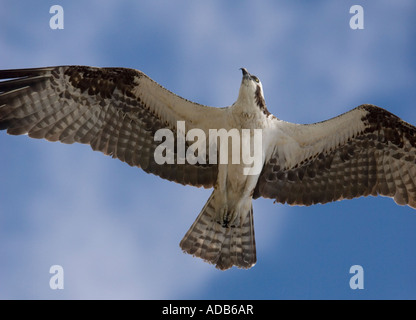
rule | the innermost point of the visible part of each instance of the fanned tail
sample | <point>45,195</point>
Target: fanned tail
<point>222,246</point>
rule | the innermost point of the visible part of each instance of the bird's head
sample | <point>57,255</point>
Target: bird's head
<point>251,91</point>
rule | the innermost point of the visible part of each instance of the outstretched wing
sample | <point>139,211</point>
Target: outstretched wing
<point>115,110</point>
<point>367,151</point>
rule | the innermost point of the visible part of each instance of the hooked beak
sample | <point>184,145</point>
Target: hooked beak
<point>246,74</point>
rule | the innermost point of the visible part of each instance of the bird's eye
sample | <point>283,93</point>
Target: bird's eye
<point>256,79</point>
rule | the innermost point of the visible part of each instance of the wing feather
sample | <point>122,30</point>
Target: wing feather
<point>367,151</point>
<point>115,110</point>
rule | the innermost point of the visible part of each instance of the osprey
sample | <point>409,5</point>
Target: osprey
<point>118,111</point>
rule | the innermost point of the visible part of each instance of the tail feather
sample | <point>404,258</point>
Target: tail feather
<point>222,246</point>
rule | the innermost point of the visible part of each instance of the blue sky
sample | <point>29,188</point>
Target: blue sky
<point>116,230</point>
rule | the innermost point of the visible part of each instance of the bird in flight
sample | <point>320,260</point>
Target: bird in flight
<point>121,112</point>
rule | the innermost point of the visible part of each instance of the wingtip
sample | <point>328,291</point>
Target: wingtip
<point>27,72</point>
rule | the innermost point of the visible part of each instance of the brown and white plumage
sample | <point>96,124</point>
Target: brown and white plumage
<point>367,151</point>
<point>115,110</point>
